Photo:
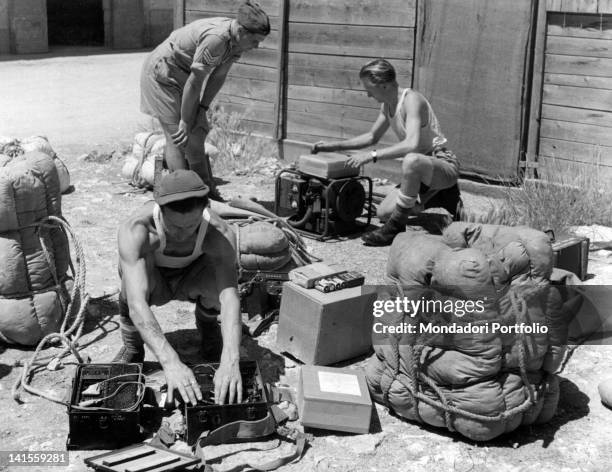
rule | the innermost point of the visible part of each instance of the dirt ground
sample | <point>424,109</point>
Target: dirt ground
<point>90,102</point>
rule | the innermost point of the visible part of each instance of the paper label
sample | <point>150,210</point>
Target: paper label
<point>333,382</point>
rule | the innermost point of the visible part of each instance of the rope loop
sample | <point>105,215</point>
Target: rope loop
<point>74,312</point>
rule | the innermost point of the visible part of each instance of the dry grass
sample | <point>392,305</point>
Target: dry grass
<point>239,149</point>
<point>571,196</point>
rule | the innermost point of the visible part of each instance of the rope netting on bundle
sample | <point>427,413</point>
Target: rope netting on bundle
<point>74,307</point>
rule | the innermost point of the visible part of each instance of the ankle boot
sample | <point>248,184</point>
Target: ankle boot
<point>384,235</point>
<point>210,333</point>
<point>133,345</point>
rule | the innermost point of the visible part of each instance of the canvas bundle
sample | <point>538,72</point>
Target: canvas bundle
<point>34,280</point>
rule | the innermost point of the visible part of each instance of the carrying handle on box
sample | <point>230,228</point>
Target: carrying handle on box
<point>550,233</point>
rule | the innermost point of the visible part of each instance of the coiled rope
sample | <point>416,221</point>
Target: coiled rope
<point>418,379</point>
<point>74,313</point>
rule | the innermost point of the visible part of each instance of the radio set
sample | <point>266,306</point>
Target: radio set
<point>105,406</point>
<point>323,196</point>
<point>208,416</point>
<point>108,405</point>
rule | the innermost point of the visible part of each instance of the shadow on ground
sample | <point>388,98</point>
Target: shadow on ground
<point>5,370</point>
<point>573,405</point>
<point>187,344</point>
<point>68,51</point>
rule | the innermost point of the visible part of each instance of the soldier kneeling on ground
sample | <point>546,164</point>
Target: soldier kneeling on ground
<point>176,248</point>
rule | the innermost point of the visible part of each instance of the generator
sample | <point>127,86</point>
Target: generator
<point>323,197</point>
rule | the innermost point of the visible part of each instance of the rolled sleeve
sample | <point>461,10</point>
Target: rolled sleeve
<point>209,54</point>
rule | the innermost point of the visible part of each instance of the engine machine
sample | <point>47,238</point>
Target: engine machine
<point>323,197</point>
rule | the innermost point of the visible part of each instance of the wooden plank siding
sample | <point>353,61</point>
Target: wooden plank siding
<point>579,6</point>
<point>328,43</point>
<point>250,89</point>
<point>576,113</point>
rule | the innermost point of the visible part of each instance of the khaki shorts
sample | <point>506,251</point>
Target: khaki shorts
<point>445,168</point>
<point>161,89</point>
<point>194,283</point>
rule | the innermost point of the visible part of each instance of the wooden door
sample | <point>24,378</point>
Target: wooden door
<point>127,25</point>
<point>471,63</point>
<point>28,26</point>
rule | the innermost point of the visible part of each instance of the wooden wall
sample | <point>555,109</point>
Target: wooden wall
<point>579,6</point>
<point>328,43</point>
<point>252,81</point>
<point>576,113</point>
<point>325,46</point>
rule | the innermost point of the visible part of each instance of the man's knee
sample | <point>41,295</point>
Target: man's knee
<point>204,313</point>
<point>414,163</point>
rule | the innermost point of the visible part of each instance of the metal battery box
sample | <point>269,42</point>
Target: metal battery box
<point>335,399</point>
<point>111,423</point>
<point>208,416</point>
<point>326,165</point>
<point>572,254</point>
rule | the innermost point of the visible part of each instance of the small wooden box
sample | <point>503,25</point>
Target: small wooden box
<point>324,328</point>
<point>336,399</point>
<point>572,254</point>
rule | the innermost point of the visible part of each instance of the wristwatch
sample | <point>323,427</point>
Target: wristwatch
<point>374,156</point>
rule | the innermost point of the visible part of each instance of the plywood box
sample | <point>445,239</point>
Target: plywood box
<point>324,328</point>
<point>336,399</point>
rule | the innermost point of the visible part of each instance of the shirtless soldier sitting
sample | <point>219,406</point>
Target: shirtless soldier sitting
<point>175,248</point>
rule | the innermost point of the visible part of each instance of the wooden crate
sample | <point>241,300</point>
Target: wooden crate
<point>324,328</point>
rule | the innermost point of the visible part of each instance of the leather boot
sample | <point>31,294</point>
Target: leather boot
<point>133,345</point>
<point>210,333</point>
<point>384,235</point>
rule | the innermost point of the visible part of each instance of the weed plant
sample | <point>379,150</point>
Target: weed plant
<point>568,195</point>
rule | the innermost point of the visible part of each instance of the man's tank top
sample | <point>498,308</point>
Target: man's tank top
<point>431,135</point>
<point>178,262</point>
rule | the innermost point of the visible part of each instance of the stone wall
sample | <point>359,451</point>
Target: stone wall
<point>159,17</point>
<point>4,28</point>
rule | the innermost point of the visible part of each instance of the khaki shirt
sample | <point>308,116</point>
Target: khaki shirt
<point>203,45</point>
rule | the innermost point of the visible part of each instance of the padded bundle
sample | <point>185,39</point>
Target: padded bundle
<point>479,383</point>
<point>139,166</point>
<point>11,147</point>
<point>262,246</point>
<point>35,258</point>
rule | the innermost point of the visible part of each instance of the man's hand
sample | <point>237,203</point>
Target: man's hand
<point>228,383</point>
<point>358,160</point>
<point>181,137</point>
<point>180,377</point>
<point>319,147</point>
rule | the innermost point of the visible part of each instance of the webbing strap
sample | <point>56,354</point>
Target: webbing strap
<point>258,429</point>
<point>242,430</point>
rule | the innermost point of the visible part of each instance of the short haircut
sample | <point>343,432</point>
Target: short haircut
<point>187,205</point>
<point>378,71</point>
